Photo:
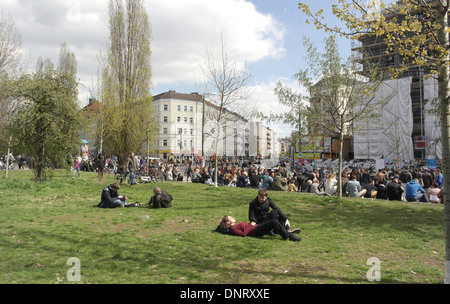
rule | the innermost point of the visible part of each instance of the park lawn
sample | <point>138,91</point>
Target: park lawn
<point>43,225</point>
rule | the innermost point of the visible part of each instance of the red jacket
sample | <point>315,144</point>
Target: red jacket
<point>243,229</point>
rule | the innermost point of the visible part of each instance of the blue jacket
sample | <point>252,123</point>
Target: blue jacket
<point>440,180</point>
<point>412,188</point>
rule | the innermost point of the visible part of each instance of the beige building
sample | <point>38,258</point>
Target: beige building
<point>183,132</point>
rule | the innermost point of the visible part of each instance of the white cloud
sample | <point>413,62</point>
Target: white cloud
<point>182,31</point>
<point>267,102</point>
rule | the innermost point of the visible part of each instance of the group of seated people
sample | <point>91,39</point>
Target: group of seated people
<point>171,173</point>
<point>383,189</point>
<point>110,198</point>
<point>245,178</point>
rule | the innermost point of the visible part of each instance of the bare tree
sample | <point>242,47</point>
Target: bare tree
<point>10,63</point>
<point>10,45</point>
<point>228,80</point>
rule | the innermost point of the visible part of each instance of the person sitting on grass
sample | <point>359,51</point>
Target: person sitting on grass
<point>292,187</point>
<point>263,209</point>
<point>112,199</point>
<point>228,225</point>
<point>160,199</point>
<point>354,188</point>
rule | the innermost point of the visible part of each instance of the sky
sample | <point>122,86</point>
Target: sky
<point>267,35</point>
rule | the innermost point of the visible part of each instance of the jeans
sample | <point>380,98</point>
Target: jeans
<point>132,176</point>
<point>118,203</point>
<point>419,198</point>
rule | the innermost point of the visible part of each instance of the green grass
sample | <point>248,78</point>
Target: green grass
<point>43,225</point>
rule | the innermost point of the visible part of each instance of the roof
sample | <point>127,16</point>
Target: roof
<point>175,95</point>
<point>92,108</point>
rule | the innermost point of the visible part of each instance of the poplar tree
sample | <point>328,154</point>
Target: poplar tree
<point>127,111</point>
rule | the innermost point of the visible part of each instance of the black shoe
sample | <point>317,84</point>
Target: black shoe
<point>294,238</point>
<point>295,230</point>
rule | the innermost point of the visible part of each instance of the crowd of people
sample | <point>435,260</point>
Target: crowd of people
<point>402,184</point>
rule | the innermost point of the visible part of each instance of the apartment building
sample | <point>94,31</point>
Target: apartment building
<point>187,131</point>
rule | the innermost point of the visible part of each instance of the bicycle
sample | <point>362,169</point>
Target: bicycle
<point>147,176</point>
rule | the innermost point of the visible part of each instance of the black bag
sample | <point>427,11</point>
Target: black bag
<point>222,229</point>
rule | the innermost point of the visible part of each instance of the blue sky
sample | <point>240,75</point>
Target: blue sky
<point>266,34</point>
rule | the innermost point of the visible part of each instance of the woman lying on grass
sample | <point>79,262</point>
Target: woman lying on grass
<point>228,225</point>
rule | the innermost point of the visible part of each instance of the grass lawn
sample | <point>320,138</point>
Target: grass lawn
<point>43,225</point>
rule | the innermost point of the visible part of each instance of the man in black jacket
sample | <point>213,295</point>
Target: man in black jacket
<point>394,190</point>
<point>427,179</point>
<point>111,198</point>
<point>259,211</point>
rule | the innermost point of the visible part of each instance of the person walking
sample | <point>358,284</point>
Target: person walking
<point>76,166</point>
<point>133,165</point>
<point>100,165</point>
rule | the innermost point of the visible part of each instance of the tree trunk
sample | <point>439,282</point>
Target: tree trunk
<point>444,99</point>
<point>341,148</point>
<point>7,158</point>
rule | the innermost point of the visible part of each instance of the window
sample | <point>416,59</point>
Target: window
<point>191,120</point>
<point>185,108</point>
<point>166,107</point>
<point>166,119</point>
<point>165,131</point>
<point>178,119</point>
<point>185,119</point>
<point>192,109</point>
<point>179,108</point>
<point>165,142</point>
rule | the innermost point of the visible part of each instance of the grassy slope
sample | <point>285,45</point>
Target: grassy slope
<point>43,225</point>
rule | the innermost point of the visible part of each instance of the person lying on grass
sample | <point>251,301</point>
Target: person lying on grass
<point>228,225</point>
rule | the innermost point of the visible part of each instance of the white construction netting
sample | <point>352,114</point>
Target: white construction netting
<point>389,135</point>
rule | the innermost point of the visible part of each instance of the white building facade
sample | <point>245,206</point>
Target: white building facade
<point>185,131</point>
